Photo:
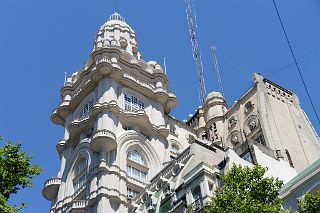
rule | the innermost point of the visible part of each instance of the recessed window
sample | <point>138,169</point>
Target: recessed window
<point>204,136</point>
<point>232,121</point>
<point>173,129</point>
<point>137,174</point>
<point>247,157</point>
<point>248,106</point>
<point>90,132</point>
<point>260,139</point>
<point>135,156</point>
<point>80,174</point>
<point>127,128</point>
<point>86,110</point>
<point>132,103</point>
<point>197,205</point>
<point>136,167</point>
<point>132,193</point>
<point>252,125</point>
<point>174,149</point>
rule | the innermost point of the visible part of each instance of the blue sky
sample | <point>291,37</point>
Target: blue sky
<point>40,40</point>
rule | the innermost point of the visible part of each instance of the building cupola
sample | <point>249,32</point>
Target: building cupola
<point>117,33</point>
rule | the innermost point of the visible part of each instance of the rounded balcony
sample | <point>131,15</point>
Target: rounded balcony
<point>56,118</point>
<point>60,146</point>
<point>103,140</point>
<point>51,188</point>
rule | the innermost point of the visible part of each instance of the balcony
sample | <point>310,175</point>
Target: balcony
<point>78,206</point>
<point>60,146</point>
<point>51,187</point>
<point>103,140</point>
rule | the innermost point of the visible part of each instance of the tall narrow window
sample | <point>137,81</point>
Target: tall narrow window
<point>136,166</point>
<point>173,129</point>
<point>132,103</point>
<point>80,174</point>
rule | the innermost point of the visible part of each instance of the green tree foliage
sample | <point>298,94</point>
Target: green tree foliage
<point>246,190</point>
<point>16,173</point>
<point>310,203</point>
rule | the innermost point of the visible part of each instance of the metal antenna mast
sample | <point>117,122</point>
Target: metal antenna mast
<point>164,64</point>
<point>216,66</point>
<point>195,48</point>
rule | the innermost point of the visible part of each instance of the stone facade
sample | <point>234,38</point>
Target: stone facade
<point>119,135</point>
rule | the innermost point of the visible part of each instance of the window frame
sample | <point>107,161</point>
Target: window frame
<point>86,110</point>
<point>133,103</point>
<point>80,174</point>
<point>136,168</point>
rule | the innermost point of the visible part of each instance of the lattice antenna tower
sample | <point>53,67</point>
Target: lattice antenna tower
<point>191,16</point>
<point>216,66</point>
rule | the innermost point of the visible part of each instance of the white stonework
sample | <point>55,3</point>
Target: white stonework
<point>118,134</point>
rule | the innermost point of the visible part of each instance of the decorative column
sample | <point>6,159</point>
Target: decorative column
<point>189,197</point>
<point>204,186</point>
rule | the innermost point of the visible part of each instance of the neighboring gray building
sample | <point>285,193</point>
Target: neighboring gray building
<point>307,181</point>
<point>119,135</point>
<point>191,178</point>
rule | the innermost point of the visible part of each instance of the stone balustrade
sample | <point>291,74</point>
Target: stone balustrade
<point>51,187</point>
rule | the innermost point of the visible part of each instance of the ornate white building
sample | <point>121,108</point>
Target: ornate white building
<point>119,134</point>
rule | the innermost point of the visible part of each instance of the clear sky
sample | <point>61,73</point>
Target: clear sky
<point>40,40</point>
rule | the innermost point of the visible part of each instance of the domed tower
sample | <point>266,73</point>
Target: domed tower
<point>115,135</point>
<point>214,110</point>
<point>117,33</point>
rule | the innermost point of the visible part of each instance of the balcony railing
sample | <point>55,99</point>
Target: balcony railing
<point>51,187</point>
<point>78,204</point>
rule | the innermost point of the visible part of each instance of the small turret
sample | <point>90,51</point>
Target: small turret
<point>214,109</point>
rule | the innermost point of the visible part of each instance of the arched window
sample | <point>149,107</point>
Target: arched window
<point>80,174</point>
<point>174,149</point>
<point>135,156</point>
<point>132,103</point>
<point>136,166</point>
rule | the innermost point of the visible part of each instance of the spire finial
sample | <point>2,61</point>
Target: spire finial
<point>164,64</point>
<point>65,78</point>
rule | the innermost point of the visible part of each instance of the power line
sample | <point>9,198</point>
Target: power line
<point>301,60</point>
<point>216,65</point>
<point>295,61</point>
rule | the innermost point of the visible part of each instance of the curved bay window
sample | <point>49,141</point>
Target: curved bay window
<point>132,103</point>
<point>80,174</point>
<point>136,166</point>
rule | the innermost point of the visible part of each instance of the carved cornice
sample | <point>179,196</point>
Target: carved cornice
<point>109,66</point>
<point>138,118</point>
